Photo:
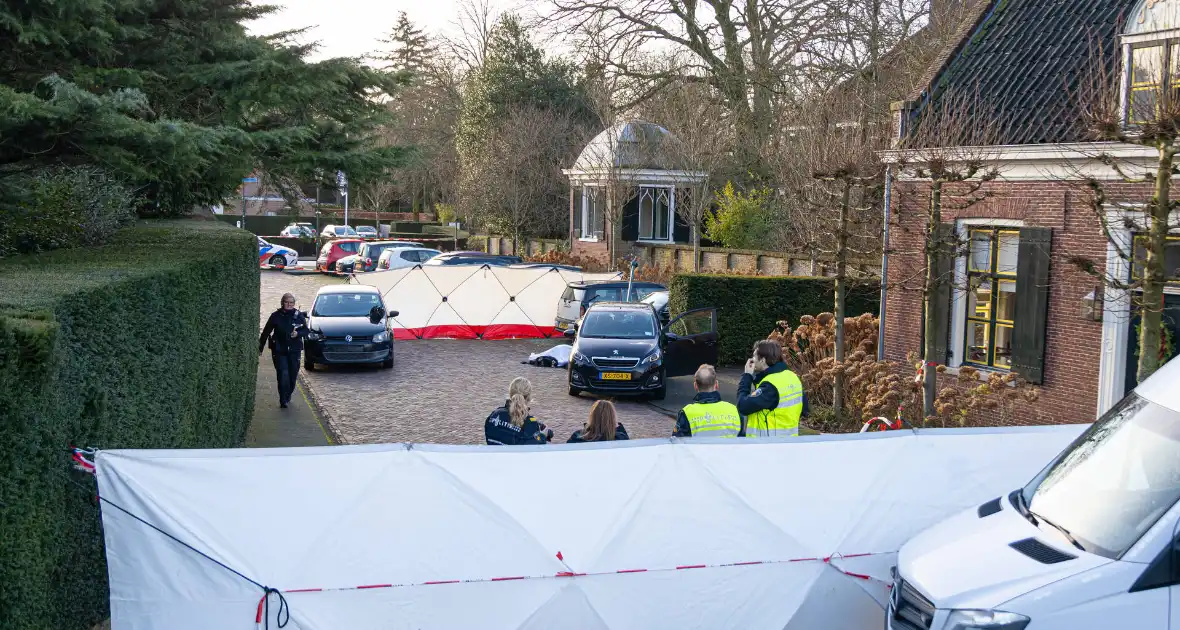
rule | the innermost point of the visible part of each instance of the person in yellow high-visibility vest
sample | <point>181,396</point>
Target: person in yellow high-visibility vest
<point>707,415</point>
<point>777,403</point>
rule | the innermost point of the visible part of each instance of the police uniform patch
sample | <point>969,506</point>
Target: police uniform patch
<point>757,392</point>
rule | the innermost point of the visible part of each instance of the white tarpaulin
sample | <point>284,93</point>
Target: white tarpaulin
<point>470,302</point>
<point>648,534</point>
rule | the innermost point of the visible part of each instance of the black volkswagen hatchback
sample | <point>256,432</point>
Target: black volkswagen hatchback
<point>621,348</point>
<point>348,324</point>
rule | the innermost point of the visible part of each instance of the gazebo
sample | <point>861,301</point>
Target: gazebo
<point>629,172</point>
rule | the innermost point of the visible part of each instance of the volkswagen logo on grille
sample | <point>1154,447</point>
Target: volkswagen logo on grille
<point>348,338</point>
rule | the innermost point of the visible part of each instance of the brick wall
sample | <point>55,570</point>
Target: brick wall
<point>1073,343</point>
<point>591,251</point>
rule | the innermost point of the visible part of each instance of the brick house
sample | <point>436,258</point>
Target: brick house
<point>629,164</point>
<point>260,199</point>
<point>1018,300</point>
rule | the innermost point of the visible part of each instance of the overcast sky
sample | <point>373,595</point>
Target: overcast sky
<point>352,28</point>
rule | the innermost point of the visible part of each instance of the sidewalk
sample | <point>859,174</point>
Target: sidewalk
<point>273,426</point>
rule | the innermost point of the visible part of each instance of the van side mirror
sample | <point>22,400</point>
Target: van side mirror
<point>570,333</point>
<point>393,313</point>
<point>376,314</point>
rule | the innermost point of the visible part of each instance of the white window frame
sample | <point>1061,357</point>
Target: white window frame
<point>1116,305</point>
<point>588,235</point>
<point>654,192</point>
<point>1169,38</point>
<point>959,294</point>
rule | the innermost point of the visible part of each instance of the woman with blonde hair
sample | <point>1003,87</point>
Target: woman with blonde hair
<point>602,426</point>
<point>512,423</point>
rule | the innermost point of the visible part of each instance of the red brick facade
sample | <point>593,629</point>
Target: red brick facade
<point>589,250</point>
<point>1073,341</point>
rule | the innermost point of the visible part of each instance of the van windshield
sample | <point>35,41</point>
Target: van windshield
<point>1114,482</point>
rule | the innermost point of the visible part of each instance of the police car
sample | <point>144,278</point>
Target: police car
<point>276,255</point>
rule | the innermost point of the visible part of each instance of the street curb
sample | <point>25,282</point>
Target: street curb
<point>323,418</point>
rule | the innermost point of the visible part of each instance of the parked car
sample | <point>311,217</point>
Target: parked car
<point>338,231</point>
<point>335,250</point>
<point>475,258</point>
<point>401,257</point>
<point>367,256</point>
<point>578,296</point>
<point>529,265</point>
<point>276,255</point>
<point>298,230</point>
<point>366,231</point>
<point>349,324</point>
<point>1092,542</point>
<point>621,348</point>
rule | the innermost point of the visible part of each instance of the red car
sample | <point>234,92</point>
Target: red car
<point>335,250</point>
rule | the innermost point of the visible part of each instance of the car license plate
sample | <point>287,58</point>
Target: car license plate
<point>561,325</point>
<point>616,376</point>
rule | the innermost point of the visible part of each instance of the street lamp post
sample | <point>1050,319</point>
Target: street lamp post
<point>342,183</point>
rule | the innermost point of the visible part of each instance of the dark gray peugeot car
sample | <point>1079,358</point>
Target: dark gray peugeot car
<point>348,324</point>
<point>622,348</point>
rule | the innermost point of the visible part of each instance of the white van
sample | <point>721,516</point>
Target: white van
<point>1092,542</point>
<point>578,296</point>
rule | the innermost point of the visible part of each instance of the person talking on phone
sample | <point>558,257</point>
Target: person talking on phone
<point>777,403</point>
<point>284,333</point>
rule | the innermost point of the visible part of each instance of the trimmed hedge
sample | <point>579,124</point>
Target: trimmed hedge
<point>146,342</point>
<point>749,307</point>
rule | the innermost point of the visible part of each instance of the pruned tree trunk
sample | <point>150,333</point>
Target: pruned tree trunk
<point>696,249</point>
<point>841,287</point>
<point>933,247</point>
<point>1151,310</point>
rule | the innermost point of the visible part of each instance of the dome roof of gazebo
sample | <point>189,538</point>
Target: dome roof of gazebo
<point>628,145</point>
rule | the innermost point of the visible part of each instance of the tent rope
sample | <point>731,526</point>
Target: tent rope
<point>284,611</point>
<point>283,614</point>
<point>512,298</point>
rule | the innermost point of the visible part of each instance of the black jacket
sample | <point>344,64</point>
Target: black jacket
<point>498,429</point>
<point>620,434</point>
<point>763,398</point>
<point>683,428</point>
<point>279,326</point>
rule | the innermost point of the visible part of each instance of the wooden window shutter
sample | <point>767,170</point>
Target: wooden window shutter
<point>576,205</point>
<point>1032,303</point>
<point>941,299</point>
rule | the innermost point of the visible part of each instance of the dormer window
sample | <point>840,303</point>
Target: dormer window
<point>1151,59</point>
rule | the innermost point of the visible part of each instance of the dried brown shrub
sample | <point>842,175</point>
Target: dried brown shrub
<point>885,388</point>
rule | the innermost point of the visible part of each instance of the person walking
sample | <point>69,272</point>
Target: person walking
<point>777,402</point>
<point>602,426</point>
<point>707,415</point>
<point>284,333</point>
<point>512,423</point>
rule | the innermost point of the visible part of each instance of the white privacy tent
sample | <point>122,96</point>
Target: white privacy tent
<point>648,534</point>
<point>474,302</point>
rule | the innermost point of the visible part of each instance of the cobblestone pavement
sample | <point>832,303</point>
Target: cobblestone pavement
<point>441,390</point>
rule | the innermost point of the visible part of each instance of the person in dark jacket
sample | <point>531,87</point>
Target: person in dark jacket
<point>284,332</point>
<point>602,426</point>
<point>512,423</point>
<point>707,413</point>
<point>777,403</point>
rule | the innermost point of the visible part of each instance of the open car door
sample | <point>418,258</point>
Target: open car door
<point>692,341</point>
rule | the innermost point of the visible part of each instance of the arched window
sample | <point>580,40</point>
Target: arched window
<point>1151,61</point>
